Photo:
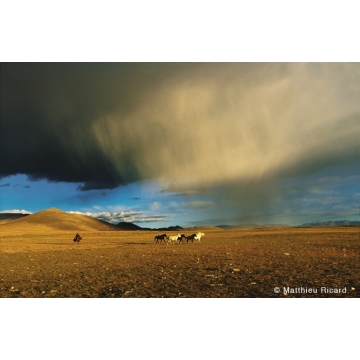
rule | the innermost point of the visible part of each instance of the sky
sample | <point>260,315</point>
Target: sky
<point>192,143</point>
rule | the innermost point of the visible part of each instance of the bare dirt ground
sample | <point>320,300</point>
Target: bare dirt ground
<point>225,264</point>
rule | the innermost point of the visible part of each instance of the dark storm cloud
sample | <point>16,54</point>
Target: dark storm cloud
<point>47,113</point>
<point>235,128</point>
<point>8,184</point>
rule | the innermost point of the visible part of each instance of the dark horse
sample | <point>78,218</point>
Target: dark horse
<point>160,238</point>
<point>190,238</point>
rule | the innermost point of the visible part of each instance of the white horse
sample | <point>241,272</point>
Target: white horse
<point>173,239</point>
<point>199,235</point>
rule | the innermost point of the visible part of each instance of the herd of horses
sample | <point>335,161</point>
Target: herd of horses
<point>173,239</point>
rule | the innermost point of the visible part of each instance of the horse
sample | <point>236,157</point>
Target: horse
<point>173,239</point>
<point>199,235</point>
<point>182,236</point>
<point>190,238</point>
<point>160,238</point>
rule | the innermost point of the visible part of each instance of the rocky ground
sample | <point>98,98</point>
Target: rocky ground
<point>225,264</point>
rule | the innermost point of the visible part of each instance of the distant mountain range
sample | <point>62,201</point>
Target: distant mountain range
<point>251,226</point>
<point>59,220</point>
<point>332,223</point>
<point>316,223</point>
<point>131,226</point>
<point>128,226</point>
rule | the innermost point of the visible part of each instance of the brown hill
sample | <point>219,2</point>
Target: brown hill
<point>56,220</point>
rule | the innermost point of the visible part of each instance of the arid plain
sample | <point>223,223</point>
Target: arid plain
<point>39,259</point>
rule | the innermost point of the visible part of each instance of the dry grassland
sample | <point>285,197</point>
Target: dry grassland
<point>226,263</point>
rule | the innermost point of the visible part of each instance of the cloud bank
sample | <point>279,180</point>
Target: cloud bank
<point>124,216</point>
<point>16,211</point>
<point>221,128</point>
